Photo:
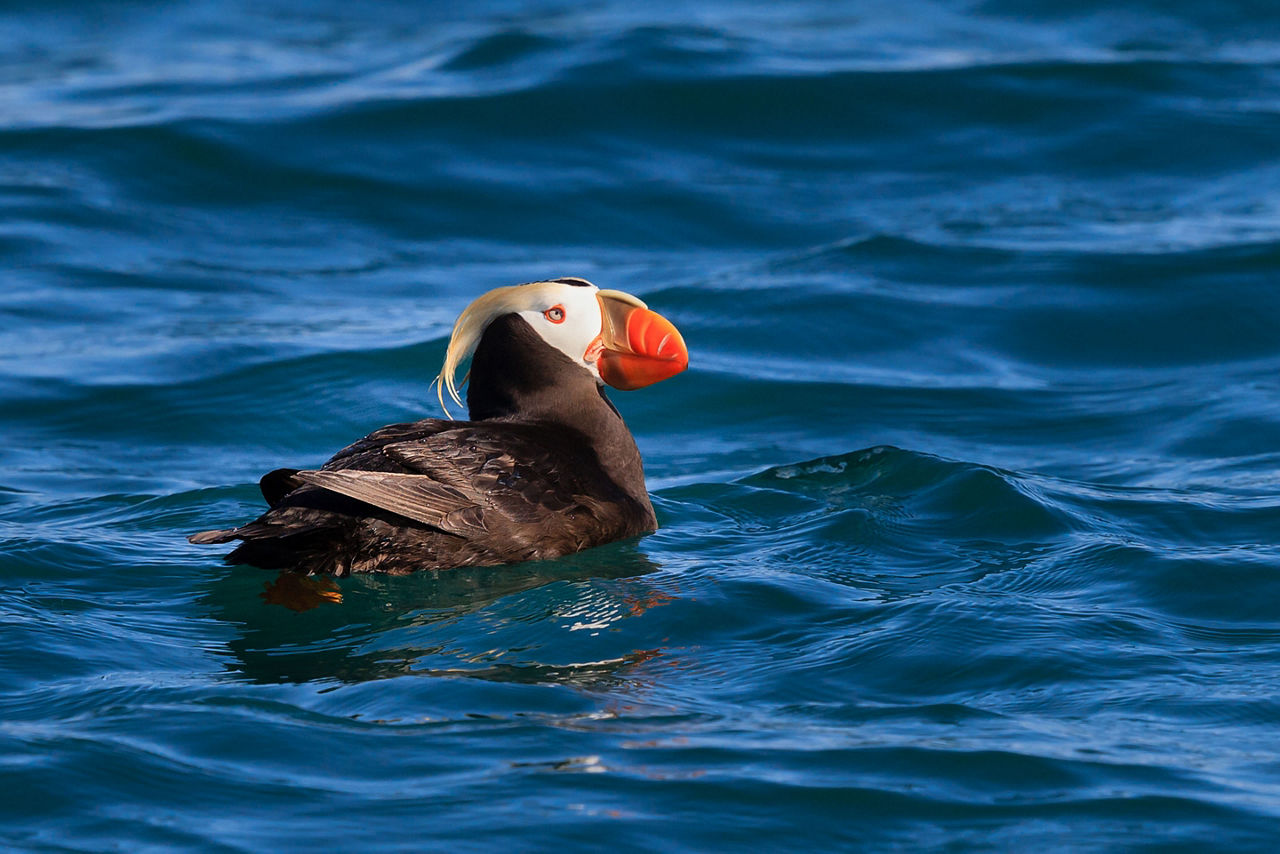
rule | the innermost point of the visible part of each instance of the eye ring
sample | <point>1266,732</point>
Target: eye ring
<point>555,314</point>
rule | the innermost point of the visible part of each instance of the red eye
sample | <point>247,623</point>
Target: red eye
<point>555,314</point>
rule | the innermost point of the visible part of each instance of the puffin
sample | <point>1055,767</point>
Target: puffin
<point>543,467</point>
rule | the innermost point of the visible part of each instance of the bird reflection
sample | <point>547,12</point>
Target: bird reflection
<point>299,592</point>
<point>296,628</point>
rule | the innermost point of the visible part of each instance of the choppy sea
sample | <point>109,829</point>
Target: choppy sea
<point>970,501</point>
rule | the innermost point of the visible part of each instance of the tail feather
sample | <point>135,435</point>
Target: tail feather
<point>205,538</point>
<point>295,538</point>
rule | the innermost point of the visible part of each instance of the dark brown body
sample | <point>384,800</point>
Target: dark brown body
<point>546,467</point>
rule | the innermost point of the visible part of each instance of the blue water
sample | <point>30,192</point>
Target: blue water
<point>969,499</point>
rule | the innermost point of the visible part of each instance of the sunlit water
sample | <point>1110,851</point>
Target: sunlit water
<point>969,499</point>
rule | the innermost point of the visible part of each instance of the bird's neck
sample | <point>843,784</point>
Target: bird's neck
<point>517,376</point>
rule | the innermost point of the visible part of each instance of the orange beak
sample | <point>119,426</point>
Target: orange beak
<point>637,347</point>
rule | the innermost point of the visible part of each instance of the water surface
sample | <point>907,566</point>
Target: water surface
<point>968,499</point>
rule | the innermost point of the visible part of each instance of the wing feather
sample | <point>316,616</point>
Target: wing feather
<point>414,496</point>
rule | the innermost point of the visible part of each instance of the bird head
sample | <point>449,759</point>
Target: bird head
<point>610,334</point>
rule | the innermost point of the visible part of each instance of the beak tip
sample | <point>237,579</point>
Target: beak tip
<point>641,347</point>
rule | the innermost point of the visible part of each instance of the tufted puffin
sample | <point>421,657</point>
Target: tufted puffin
<point>544,467</point>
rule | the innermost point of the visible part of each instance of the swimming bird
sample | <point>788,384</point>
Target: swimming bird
<point>544,467</point>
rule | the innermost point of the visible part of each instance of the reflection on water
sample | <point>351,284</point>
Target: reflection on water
<point>593,674</point>
<point>462,622</point>
<point>299,592</point>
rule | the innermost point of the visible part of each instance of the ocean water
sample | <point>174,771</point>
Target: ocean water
<point>971,524</point>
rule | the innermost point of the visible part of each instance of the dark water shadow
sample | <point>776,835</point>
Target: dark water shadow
<point>298,629</point>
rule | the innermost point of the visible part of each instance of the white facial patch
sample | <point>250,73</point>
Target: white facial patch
<point>568,318</point>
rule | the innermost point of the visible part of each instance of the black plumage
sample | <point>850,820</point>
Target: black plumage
<point>545,467</point>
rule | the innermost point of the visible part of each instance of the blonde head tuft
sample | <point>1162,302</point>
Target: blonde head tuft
<point>473,321</point>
